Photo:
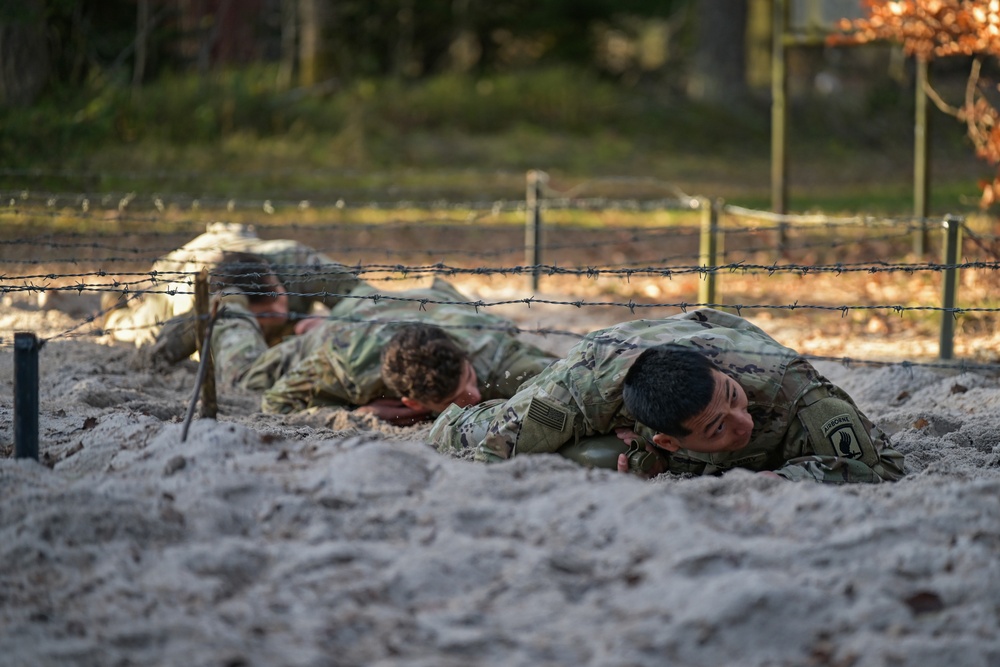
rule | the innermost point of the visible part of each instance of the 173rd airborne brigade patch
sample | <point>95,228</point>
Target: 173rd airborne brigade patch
<point>835,430</point>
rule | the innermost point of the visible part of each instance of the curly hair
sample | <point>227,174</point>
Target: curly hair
<point>423,362</point>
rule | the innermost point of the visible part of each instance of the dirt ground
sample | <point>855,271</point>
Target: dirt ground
<point>328,539</point>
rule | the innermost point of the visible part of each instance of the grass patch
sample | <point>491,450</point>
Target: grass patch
<point>232,135</point>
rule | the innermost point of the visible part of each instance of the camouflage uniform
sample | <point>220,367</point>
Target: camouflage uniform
<point>339,362</point>
<point>804,426</point>
<point>309,277</point>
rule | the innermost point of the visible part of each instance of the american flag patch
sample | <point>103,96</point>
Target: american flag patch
<point>547,415</point>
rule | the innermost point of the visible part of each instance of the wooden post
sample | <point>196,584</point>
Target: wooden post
<point>779,109</point>
<point>209,401</point>
<point>949,297</point>
<point>708,250</point>
<point>921,160</point>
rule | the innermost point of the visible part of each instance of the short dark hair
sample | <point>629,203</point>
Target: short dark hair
<point>667,385</point>
<point>249,273</point>
<point>423,362</point>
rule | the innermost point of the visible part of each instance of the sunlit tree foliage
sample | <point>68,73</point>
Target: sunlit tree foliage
<point>930,29</point>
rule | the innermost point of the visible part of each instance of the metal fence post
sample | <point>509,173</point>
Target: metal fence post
<point>25,395</point>
<point>949,297</point>
<point>533,225</point>
<point>708,249</point>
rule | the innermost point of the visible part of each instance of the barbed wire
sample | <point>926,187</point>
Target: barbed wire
<point>134,285</point>
<point>511,328</point>
<point>310,272</point>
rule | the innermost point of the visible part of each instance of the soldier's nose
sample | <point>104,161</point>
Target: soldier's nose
<point>745,423</point>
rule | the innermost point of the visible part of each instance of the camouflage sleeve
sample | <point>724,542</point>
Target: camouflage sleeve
<point>314,381</point>
<point>318,278</point>
<point>237,341</point>
<point>887,467</point>
<point>520,362</point>
<point>458,429</point>
<point>538,419</point>
<point>273,363</point>
<point>723,319</point>
<point>839,470</point>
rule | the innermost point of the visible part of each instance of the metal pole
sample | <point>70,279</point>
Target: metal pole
<point>921,160</point>
<point>779,109</point>
<point>949,297</point>
<point>26,395</point>
<point>533,225</point>
<point>708,250</point>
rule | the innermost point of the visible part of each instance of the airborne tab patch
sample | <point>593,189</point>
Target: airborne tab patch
<point>835,429</point>
<point>839,431</point>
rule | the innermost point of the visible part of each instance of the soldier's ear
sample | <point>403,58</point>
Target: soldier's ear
<point>667,442</point>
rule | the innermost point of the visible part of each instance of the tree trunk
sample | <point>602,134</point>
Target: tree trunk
<point>289,43</point>
<point>316,58</point>
<point>719,68</point>
<point>142,24</point>
<point>24,56</point>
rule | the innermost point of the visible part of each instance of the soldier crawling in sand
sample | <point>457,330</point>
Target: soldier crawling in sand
<point>701,392</point>
<point>388,354</point>
<point>161,321</point>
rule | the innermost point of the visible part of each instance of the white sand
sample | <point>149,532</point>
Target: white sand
<point>325,540</point>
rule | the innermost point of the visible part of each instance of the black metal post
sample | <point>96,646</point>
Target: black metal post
<point>25,395</point>
<point>533,225</point>
<point>949,297</point>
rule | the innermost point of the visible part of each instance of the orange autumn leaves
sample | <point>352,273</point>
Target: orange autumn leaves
<point>930,29</point>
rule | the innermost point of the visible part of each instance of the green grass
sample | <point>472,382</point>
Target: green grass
<point>233,135</point>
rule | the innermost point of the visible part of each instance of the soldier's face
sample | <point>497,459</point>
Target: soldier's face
<point>466,394</point>
<point>723,426</point>
<point>272,313</point>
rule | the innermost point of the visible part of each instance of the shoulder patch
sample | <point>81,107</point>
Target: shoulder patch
<point>836,430</point>
<point>545,414</point>
<point>839,431</point>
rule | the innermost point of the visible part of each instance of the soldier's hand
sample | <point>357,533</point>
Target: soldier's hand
<point>626,435</point>
<point>393,411</point>
<point>652,464</point>
<point>770,473</point>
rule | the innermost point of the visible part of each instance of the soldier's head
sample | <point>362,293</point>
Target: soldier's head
<point>428,369</point>
<point>252,275</point>
<point>681,394</point>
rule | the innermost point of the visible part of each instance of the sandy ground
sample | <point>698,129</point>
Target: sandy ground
<point>322,539</point>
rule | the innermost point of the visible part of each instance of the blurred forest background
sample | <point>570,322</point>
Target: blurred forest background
<point>456,98</point>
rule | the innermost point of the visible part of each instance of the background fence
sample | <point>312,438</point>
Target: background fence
<point>848,279</point>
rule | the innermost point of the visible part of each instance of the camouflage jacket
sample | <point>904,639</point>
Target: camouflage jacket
<point>581,396</point>
<point>339,362</point>
<point>308,276</point>
<point>237,341</point>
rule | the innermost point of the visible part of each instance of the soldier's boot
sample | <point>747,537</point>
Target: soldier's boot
<point>176,341</point>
